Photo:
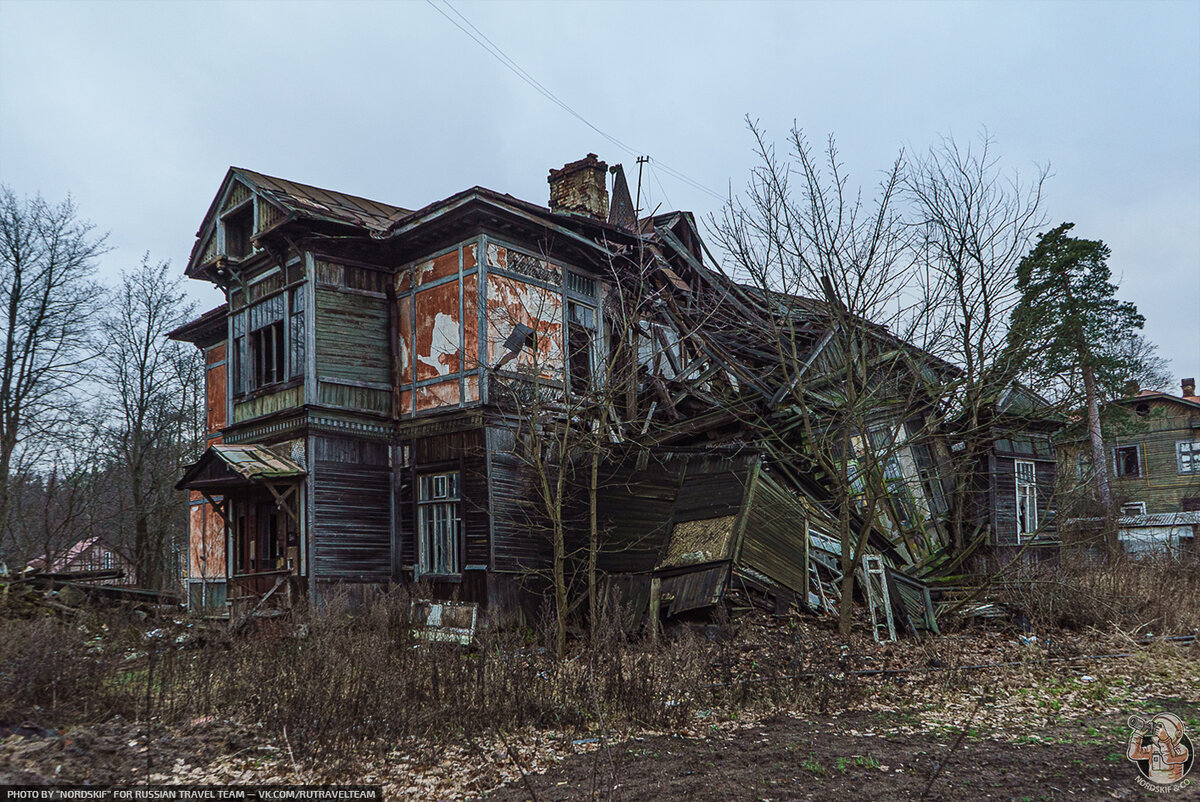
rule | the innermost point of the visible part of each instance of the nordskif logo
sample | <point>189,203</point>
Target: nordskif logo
<point>1162,751</point>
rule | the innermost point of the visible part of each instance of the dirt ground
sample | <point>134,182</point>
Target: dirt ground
<point>1041,722</point>
<point>846,758</point>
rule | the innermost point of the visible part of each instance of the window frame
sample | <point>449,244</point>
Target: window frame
<point>1026,496</point>
<point>1193,457</point>
<point>438,498</point>
<point>1140,473</point>
<point>1140,505</point>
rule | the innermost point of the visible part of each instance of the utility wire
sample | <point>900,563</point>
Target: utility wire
<point>481,39</point>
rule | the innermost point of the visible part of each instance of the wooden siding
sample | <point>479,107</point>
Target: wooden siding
<point>1004,497</point>
<point>238,192</point>
<point>1161,486</point>
<point>267,403</point>
<point>353,355</point>
<point>517,544</point>
<point>774,541</point>
<point>351,536</point>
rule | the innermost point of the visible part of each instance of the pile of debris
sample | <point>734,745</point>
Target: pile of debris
<point>66,594</point>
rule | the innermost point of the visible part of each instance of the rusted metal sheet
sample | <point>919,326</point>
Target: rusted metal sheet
<point>314,202</point>
<point>470,321</point>
<point>438,344</point>
<point>441,394</point>
<point>215,374</point>
<point>511,302</point>
<point>435,269</point>
<point>404,360</point>
<point>470,389</point>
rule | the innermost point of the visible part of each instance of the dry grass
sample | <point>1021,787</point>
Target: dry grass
<point>1136,597</point>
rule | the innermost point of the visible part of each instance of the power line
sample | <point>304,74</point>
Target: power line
<point>481,39</point>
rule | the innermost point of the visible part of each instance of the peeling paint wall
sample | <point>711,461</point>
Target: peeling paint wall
<point>206,529</point>
<point>437,357</point>
<point>528,292</point>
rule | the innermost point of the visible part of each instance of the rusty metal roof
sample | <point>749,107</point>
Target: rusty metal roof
<point>311,201</point>
<point>228,465</point>
<point>257,462</point>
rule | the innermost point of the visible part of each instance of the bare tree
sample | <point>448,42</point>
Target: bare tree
<point>153,384</point>
<point>887,314</point>
<point>47,298</point>
<point>975,223</point>
<point>836,272</point>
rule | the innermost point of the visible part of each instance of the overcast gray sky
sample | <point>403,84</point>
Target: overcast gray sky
<point>138,108</point>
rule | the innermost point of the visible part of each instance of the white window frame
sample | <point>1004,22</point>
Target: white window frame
<point>1133,508</point>
<point>1191,450</point>
<point>439,524</point>
<point>1026,498</point>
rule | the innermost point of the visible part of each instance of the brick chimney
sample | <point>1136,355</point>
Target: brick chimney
<point>580,188</point>
<point>1189,387</point>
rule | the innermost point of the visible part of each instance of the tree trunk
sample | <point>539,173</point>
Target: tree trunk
<point>846,600</point>
<point>593,542</point>
<point>560,591</point>
<point>1100,462</point>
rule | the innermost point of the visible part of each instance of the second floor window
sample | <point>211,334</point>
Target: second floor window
<point>267,355</point>
<point>1027,512</point>
<point>1127,461</point>
<point>1187,453</point>
<point>581,345</point>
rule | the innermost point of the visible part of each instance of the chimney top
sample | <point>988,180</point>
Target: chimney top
<point>1189,387</point>
<point>580,187</point>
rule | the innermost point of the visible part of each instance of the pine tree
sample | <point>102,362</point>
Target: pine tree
<point>1069,321</point>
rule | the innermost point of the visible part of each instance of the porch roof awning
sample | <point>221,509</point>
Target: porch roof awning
<point>231,466</point>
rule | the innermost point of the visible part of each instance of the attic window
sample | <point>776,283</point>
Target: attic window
<point>239,225</point>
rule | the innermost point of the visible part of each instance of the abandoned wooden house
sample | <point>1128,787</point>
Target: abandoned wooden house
<point>352,378</point>
<point>1153,442</point>
<point>368,383</point>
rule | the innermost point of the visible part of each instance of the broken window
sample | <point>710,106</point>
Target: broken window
<point>296,332</point>
<point>1083,468</point>
<point>239,225</point>
<point>439,523</point>
<point>1127,461</point>
<point>581,345</point>
<point>260,357</point>
<point>1027,513</point>
<point>266,353</point>
<point>1187,454</point>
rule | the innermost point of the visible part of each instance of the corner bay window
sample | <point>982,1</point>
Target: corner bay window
<point>439,523</point>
